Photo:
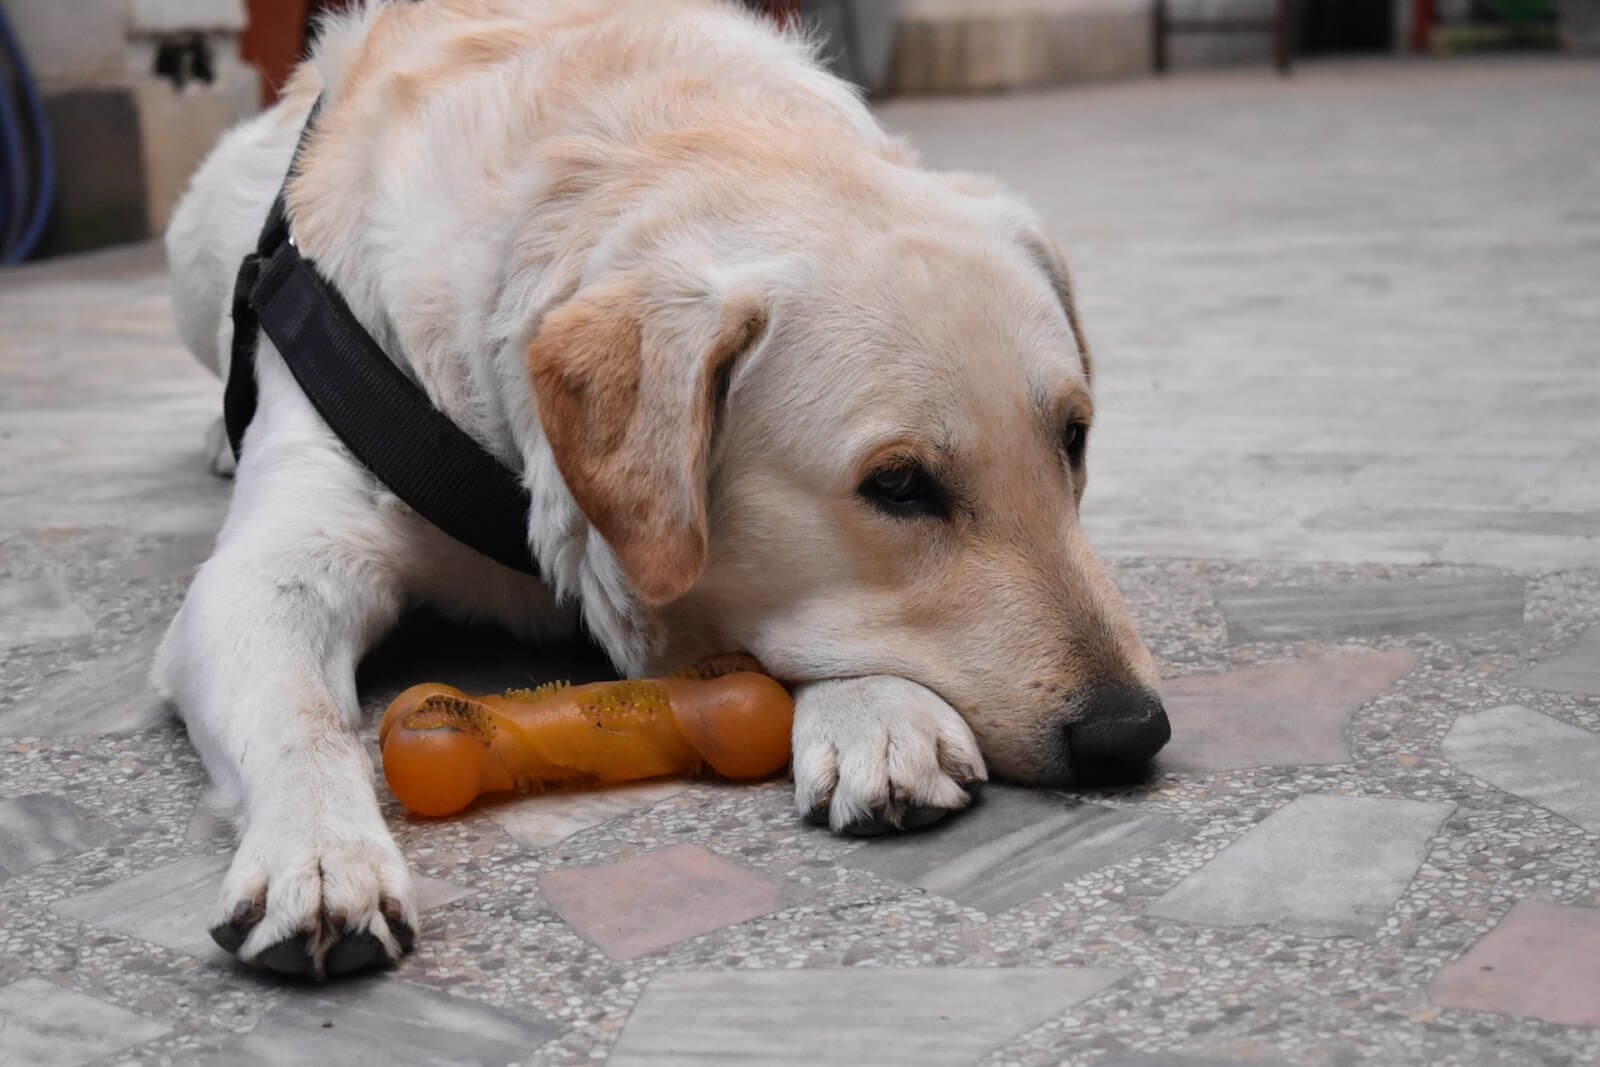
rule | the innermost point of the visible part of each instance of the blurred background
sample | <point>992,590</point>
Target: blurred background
<point>108,105</point>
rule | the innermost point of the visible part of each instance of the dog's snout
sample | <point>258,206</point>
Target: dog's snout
<point>1121,728</point>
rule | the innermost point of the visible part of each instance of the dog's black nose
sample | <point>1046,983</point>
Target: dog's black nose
<point>1121,728</point>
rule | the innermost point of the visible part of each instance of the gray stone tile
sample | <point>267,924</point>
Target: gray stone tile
<point>169,905</point>
<point>1542,760</point>
<point>1012,846</point>
<point>1577,670</point>
<point>98,696</point>
<point>38,607</point>
<point>44,1025</point>
<point>42,827</point>
<point>382,1021</point>
<point>920,1018</point>
<point>1368,609</point>
<point>546,819</point>
<point>1321,865</point>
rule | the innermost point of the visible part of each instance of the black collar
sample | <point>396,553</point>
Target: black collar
<point>381,415</point>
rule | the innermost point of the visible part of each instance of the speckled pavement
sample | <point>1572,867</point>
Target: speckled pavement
<point>1345,470</point>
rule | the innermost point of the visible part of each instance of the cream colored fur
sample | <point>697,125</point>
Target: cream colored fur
<point>661,228</point>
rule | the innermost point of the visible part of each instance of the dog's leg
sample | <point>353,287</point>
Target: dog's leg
<point>261,662</point>
<point>880,753</point>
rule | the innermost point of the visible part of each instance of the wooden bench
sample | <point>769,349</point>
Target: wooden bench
<point>1280,24</point>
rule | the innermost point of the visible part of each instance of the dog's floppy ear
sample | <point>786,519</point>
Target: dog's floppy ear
<point>1047,255</point>
<point>627,380</point>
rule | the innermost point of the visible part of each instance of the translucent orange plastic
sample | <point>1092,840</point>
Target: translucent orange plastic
<point>442,749</point>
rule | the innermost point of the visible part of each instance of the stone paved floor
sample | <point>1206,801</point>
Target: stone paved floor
<point>1347,471</point>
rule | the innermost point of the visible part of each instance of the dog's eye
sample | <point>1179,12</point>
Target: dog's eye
<point>1074,441</point>
<point>906,491</point>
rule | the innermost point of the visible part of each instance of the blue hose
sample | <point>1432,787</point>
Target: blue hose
<point>20,227</point>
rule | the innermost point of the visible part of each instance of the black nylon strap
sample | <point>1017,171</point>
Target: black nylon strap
<point>382,416</point>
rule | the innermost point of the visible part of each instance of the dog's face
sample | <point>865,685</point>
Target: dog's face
<point>884,472</point>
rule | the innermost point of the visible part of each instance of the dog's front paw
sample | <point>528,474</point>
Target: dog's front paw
<point>881,753</point>
<point>312,898</point>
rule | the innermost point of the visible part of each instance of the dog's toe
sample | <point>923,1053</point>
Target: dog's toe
<point>245,916</point>
<point>394,913</point>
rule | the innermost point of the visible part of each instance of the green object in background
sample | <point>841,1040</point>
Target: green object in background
<point>1524,12</point>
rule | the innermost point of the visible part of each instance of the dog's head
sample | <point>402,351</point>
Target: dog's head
<point>864,458</point>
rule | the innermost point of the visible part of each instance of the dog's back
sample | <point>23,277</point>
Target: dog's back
<point>438,80</point>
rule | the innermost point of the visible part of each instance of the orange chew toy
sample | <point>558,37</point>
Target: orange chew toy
<point>442,749</point>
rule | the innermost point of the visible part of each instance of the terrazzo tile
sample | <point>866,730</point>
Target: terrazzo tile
<point>920,1018</point>
<point>1132,1058</point>
<point>550,818</point>
<point>1541,961</point>
<point>382,1021</point>
<point>44,1025</point>
<point>645,903</point>
<point>1321,865</point>
<point>1013,845</point>
<point>38,607</point>
<point>1291,714</point>
<point>99,696</point>
<point>1368,609</point>
<point>168,906</point>
<point>1577,670</point>
<point>42,827</point>
<point>1215,469</point>
<point>1542,760</point>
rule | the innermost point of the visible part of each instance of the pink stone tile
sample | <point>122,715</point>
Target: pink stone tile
<point>1542,961</point>
<point>1284,715</point>
<point>648,902</point>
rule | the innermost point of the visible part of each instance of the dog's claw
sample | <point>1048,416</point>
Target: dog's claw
<point>394,913</point>
<point>880,822</point>
<point>246,914</point>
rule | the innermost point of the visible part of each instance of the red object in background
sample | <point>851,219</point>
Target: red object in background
<point>1421,23</point>
<point>275,39</point>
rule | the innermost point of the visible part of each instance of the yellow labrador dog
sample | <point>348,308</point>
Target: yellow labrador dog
<point>772,386</point>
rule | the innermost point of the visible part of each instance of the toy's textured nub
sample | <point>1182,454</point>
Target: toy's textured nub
<point>442,748</point>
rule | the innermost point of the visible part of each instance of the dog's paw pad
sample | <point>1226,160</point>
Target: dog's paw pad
<point>357,951</point>
<point>291,956</point>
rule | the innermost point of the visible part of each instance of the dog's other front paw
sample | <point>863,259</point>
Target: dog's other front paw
<point>881,753</point>
<point>312,901</point>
